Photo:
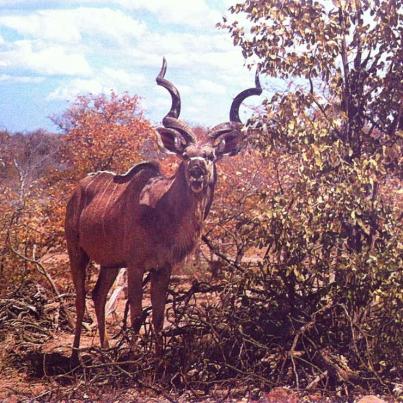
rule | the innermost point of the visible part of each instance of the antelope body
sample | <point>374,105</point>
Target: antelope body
<point>144,221</point>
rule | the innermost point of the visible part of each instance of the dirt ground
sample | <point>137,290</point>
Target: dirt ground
<point>38,376</point>
<point>38,372</point>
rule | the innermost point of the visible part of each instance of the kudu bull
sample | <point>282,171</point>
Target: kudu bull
<point>144,221</point>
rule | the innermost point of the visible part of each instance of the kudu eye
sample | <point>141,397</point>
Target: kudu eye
<point>208,156</point>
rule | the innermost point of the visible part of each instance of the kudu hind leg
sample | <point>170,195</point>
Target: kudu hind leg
<point>104,283</point>
<point>78,264</point>
<point>159,287</point>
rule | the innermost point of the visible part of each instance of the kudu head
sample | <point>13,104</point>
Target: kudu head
<point>199,159</point>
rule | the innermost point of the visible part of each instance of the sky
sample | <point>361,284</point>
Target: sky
<point>51,51</point>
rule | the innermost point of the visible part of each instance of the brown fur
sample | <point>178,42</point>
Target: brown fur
<point>141,221</point>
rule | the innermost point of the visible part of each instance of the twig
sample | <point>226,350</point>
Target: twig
<point>221,255</point>
<point>313,384</point>
<point>42,270</point>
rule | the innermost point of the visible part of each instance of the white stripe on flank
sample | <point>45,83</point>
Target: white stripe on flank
<point>106,208</point>
<point>85,191</point>
<point>100,202</point>
<point>89,183</point>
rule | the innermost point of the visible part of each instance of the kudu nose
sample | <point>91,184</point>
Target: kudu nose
<point>196,172</point>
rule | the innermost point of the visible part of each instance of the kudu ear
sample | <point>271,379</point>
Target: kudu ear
<point>170,140</point>
<point>227,138</point>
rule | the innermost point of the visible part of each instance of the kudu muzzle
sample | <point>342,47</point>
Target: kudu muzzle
<point>198,174</point>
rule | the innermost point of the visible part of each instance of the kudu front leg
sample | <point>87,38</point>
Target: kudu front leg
<point>159,287</point>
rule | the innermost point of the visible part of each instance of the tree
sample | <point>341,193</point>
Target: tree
<point>326,294</point>
<point>349,56</point>
<point>104,133</point>
<point>27,161</point>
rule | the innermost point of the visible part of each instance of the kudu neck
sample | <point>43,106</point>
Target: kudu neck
<point>181,198</point>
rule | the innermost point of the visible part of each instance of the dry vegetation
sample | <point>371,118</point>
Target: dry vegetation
<point>297,280</point>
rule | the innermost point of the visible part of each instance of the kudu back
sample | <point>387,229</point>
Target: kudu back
<point>144,221</point>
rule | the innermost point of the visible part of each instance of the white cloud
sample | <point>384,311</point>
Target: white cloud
<point>59,41</point>
<point>187,51</point>
<point>106,80</point>
<point>8,3</point>
<point>191,13</point>
<point>9,79</point>
<point>194,13</point>
<point>203,86</point>
<point>120,78</point>
<point>210,87</point>
<point>71,89</point>
<point>125,40</point>
<point>188,43</point>
<point>43,59</point>
<point>69,26</point>
<point>43,25</point>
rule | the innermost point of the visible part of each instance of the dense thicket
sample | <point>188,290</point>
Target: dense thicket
<point>321,307</point>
